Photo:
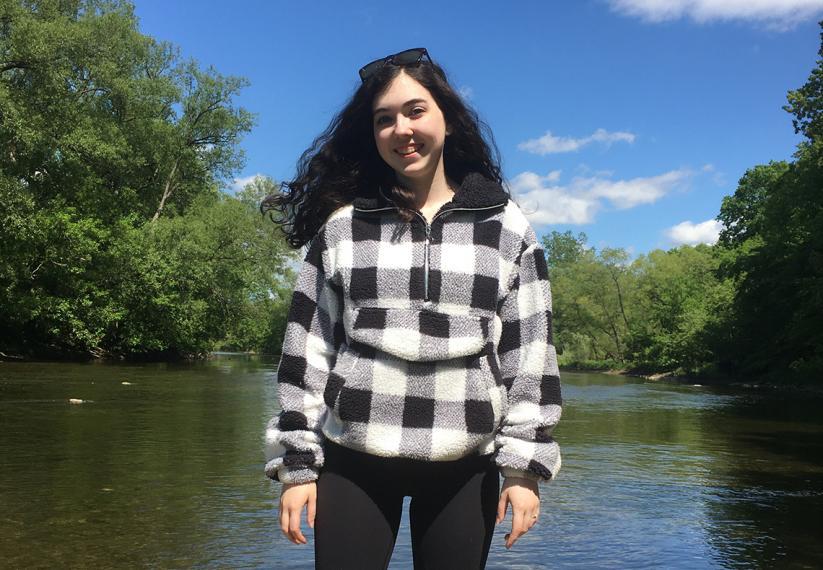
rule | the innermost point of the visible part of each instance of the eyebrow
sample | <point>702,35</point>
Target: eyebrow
<point>406,104</point>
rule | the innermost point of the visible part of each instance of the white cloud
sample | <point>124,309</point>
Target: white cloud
<point>546,201</point>
<point>692,234</point>
<point>778,14</point>
<point>549,203</point>
<point>239,183</point>
<point>549,144</point>
<point>625,194</point>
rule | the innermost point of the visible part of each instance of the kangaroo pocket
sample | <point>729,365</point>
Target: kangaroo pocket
<point>414,383</point>
<point>417,334</point>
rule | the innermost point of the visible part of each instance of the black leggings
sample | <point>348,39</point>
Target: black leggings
<point>360,501</point>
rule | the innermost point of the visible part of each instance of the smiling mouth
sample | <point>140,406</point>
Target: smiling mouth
<point>407,150</point>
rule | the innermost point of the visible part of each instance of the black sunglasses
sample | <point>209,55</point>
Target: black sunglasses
<point>406,57</point>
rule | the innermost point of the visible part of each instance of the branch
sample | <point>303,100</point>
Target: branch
<point>9,65</point>
<point>211,139</point>
<point>167,190</point>
<point>620,298</point>
<point>89,90</point>
<point>10,356</point>
<point>36,269</point>
<point>211,107</point>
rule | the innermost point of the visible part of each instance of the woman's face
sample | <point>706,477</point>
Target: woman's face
<point>409,130</point>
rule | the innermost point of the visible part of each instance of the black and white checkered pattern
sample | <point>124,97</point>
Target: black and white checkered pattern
<point>427,341</point>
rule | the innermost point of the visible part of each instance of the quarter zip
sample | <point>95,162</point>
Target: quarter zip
<point>428,226</point>
<point>426,263</point>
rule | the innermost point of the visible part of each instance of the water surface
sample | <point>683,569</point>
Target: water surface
<point>162,467</point>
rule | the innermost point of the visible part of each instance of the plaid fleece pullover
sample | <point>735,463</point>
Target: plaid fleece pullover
<point>422,340</point>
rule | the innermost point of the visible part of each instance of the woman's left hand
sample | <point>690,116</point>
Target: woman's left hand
<point>524,497</point>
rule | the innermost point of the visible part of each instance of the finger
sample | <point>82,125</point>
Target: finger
<point>502,505</point>
<point>288,531</point>
<point>311,511</point>
<point>294,527</point>
<point>518,527</point>
<point>284,522</point>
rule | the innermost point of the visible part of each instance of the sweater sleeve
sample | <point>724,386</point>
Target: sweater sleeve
<point>294,440</point>
<point>528,363</point>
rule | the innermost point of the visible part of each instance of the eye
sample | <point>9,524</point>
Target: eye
<point>382,120</point>
<point>417,111</point>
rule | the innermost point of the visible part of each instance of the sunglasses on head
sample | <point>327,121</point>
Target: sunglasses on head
<point>406,57</point>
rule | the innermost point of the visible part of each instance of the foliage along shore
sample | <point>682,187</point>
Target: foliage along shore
<point>615,369</point>
<point>702,379</point>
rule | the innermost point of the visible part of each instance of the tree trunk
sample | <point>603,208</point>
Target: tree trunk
<point>620,299</point>
<point>167,190</point>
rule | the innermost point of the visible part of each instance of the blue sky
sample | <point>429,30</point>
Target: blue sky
<point>628,120</point>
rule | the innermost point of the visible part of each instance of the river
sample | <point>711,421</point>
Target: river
<point>161,466</point>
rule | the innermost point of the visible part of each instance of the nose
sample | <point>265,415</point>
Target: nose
<point>402,127</point>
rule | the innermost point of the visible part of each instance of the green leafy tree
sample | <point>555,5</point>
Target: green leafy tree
<point>682,306</point>
<point>115,239</point>
<point>806,103</point>
<point>742,214</point>
<point>774,244</point>
<point>205,136</point>
<point>209,279</point>
<point>564,248</point>
<point>591,294</point>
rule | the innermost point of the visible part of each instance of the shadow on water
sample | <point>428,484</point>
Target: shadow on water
<point>766,507</point>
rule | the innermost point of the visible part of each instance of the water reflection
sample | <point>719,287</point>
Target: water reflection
<point>163,468</point>
<point>766,505</point>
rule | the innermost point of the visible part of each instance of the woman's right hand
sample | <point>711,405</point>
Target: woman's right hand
<point>292,499</point>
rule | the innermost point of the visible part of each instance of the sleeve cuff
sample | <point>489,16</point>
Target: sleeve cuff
<point>294,474</point>
<point>511,472</point>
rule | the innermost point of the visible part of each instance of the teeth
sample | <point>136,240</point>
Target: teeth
<point>407,150</point>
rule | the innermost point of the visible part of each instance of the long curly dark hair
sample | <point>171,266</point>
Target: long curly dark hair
<point>343,162</point>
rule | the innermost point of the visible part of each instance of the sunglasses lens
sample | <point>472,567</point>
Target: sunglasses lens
<point>370,68</point>
<point>408,56</point>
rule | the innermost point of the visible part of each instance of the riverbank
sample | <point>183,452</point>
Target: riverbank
<point>795,382</point>
<point>102,356</point>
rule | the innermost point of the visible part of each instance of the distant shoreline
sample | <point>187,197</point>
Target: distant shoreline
<point>697,380</point>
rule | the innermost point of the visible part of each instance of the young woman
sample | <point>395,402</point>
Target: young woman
<point>418,357</point>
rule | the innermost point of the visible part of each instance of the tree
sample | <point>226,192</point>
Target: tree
<point>806,103</point>
<point>115,238</point>
<point>742,214</point>
<point>206,134</point>
<point>214,277</point>
<point>681,307</point>
<point>565,248</point>
<point>774,250</point>
<point>591,295</point>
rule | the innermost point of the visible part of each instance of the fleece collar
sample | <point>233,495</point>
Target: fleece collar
<point>475,192</point>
